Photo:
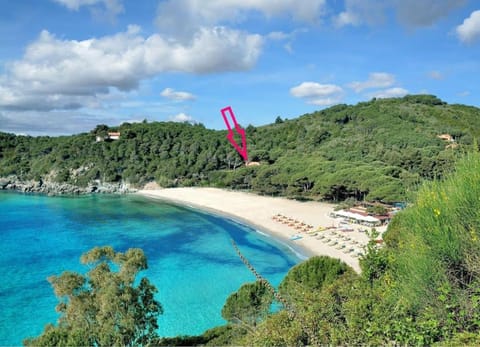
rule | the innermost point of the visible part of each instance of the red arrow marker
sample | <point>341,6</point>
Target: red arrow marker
<point>242,150</point>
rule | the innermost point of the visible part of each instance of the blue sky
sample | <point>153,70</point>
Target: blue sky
<point>67,65</point>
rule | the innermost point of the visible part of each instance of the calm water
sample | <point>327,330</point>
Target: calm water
<point>190,257</point>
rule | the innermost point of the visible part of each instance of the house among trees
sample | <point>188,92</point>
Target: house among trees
<point>446,137</point>
<point>114,136</point>
<point>111,136</point>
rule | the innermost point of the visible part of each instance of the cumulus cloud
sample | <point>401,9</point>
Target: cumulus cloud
<point>469,30</point>
<point>318,94</point>
<point>375,80</point>
<point>410,13</point>
<point>171,94</point>
<point>112,7</point>
<point>358,12</point>
<point>68,74</point>
<point>182,118</point>
<point>389,93</point>
<point>181,18</point>
<point>414,13</point>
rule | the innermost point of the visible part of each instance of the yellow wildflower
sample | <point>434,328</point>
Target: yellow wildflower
<point>436,211</point>
<point>473,235</point>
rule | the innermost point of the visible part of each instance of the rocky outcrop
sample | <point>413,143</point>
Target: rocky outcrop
<point>4,182</point>
<point>55,188</point>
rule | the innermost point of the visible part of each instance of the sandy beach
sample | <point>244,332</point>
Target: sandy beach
<point>258,211</point>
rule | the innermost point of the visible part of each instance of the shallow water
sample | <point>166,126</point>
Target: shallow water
<point>191,260</point>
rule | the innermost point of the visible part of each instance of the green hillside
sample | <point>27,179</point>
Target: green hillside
<point>377,150</point>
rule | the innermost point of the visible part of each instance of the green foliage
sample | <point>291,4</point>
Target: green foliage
<point>277,330</point>
<point>377,210</point>
<point>249,305</point>
<point>218,336</point>
<point>316,289</point>
<point>104,307</point>
<point>313,274</point>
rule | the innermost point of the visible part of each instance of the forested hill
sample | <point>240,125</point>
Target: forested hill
<point>377,150</point>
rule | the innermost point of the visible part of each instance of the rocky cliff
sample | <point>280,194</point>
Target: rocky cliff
<point>54,188</point>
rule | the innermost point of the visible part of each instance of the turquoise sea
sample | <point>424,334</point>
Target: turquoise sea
<point>191,260</point>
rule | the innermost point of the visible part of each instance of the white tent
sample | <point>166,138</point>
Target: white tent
<point>356,217</point>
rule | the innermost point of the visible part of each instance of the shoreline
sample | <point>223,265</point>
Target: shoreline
<point>299,250</point>
<point>257,211</point>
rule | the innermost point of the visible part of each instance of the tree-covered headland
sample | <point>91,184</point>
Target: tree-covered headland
<point>376,150</point>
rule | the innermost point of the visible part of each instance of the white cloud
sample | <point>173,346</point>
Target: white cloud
<point>469,30</point>
<point>289,37</point>
<point>435,75</point>
<point>53,122</point>
<point>112,7</point>
<point>278,36</point>
<point>70,74</point>
<point>171,94</point>
<point>182,118</point>
<point>318,94</point>
<point>346,18</point>
<point>415,13</point>
<point>375,80</point>
<point>181,18</point>
<point>410,13</point>
<point>389,93</point>
<point>358,12</point>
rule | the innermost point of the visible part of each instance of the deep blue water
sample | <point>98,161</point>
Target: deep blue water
<point>190,257</point>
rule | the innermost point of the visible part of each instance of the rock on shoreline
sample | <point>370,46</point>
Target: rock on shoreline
<point>54,188</point>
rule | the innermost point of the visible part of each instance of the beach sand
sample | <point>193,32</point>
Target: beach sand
<point>258,211</point>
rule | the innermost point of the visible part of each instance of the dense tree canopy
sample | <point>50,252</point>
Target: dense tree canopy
<point>377,150</point>
<point>105,307</point>
<point>249,305</point>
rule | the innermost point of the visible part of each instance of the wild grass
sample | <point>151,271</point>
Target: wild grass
<point>434,246</point>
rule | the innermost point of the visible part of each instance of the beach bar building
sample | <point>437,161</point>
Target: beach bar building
<point>356,218</point>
